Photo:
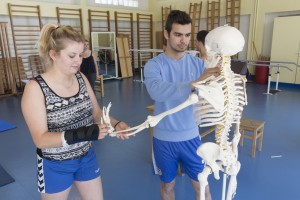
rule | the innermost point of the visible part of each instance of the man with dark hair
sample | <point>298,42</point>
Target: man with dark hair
<point>200,43</point>
<point>169,79</point>
<point>177,17</point>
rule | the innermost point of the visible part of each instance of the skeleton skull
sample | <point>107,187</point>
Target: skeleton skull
<point>222,41</point>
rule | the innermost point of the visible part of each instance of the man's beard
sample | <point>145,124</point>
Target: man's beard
<point>178,49</point>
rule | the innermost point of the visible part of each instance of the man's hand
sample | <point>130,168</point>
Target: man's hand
<point>216,71</point>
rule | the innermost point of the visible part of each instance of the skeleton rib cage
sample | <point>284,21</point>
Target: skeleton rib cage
<point>234,98</point>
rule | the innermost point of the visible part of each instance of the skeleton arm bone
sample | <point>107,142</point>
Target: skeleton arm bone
<point>154,120</point>
<point>135,129</point>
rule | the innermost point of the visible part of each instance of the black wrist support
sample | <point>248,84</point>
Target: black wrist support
<point>81,134</point>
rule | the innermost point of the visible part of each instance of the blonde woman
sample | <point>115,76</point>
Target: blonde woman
<point>63,117</point>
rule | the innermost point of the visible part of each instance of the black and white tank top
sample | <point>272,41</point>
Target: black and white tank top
<point>65,113</point>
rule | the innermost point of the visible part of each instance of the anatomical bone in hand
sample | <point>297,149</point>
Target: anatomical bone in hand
<point>218,101</point>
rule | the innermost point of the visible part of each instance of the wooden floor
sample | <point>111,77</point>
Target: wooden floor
<point>125,165</point>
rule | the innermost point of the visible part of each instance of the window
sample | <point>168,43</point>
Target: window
<point>126,3</point>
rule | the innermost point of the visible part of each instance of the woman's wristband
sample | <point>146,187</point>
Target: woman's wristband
<point>87,133</point>
<point>63,140</point>
<point>116,124</point>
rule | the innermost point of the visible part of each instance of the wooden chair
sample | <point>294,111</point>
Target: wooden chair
<point>151,129</point>
<point>2,78</point>
<point>208,131</point>
<point>99,86</point>
<point>256,127</point>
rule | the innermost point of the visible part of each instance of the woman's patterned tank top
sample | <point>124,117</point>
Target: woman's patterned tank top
<point>65,113</point>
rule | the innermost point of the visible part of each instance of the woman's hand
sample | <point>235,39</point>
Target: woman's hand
<point>103,131</point>
<point>122,126</point>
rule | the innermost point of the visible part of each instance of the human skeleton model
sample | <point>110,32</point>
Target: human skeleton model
<point>218,101</point>
<point>222,108</point>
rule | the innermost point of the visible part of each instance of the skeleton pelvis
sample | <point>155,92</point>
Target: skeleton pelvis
<point>211,153</point>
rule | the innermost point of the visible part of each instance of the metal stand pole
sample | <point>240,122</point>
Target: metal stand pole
<point>277,76</point>
<point>142,75</point>
<point>224,186</point>
<point>105,62</point>
<point>269,81</point>
<point>141,63</point>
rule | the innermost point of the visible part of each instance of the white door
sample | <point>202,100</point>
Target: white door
<point>285,47</point>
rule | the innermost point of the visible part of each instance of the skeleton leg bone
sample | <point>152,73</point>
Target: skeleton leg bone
<point>231,190</point>
<point>202,177</point>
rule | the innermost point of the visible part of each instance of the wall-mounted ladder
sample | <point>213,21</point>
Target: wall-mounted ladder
<point>213,15</point>
<point>26,62</point>
<point>233,13</point>
<point>65,16</point>
<point>195,14</point>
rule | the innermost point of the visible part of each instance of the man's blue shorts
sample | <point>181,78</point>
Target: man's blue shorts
<point>167,156</point>
<point>57,176</point>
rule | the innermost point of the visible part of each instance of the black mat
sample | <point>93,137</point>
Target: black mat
<point>274,91</point>
<point>4,126</point>
<point>5,178</point>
